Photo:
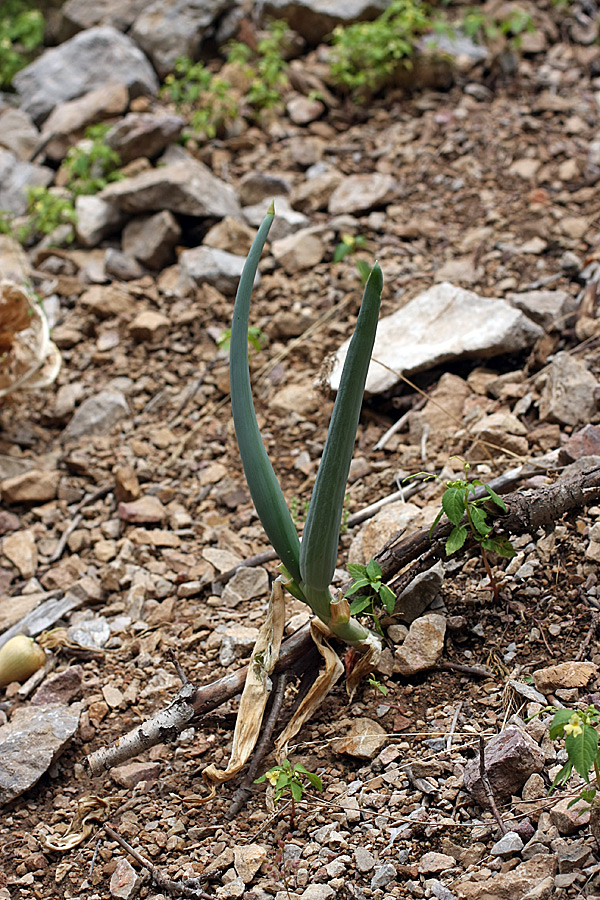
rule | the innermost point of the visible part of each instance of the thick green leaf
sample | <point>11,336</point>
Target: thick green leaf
<point>374,570</point>
<point>581,749</point>
<point>562,776</point>
<point>561,717</point>
<point>296,790</point>
<point>318,551</point>
<point>359,605</point>
<point>264,488</point>
<point>388,598</point>
<point>497,500</point>
<point>457,538</point>
<point>453,503</point>
<point>478,517</point>
<point>356,570</point>
<point>357,586</point>
<point>315,781</point>
<point>501,546</point>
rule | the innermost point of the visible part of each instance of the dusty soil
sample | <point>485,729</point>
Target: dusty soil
<point>451,153</point>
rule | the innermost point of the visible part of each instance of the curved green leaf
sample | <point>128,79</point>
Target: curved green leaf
<point>457,538</point>
<point>318,551</point>
<point>264,488</point>
<point>581,749</point>
<point>453,503</point>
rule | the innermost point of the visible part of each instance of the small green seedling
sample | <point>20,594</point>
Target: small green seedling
<point>93,165</point>
<point>349,244</point>
<point>469,517</point>
<point>377,685</point>
<point>256,338</point>
<point>371,593</point>
<point>290,780</point>
<point>579,729</point>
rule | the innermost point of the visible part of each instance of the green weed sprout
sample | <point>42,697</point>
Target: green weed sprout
<point>579,729</point>
<point>349,244</point>
<point>469,516</point>
<point>288,779</point>
<point>308,567</point>
<point>369,588</point>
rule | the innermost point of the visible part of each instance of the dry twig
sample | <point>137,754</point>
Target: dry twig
<point>188,888</point>
<point>487,787</point>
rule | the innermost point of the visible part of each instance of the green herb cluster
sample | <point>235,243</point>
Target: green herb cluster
<point>210,99</point>
<point>90,166</point>
<point>579,729</point>
<point>366,54</point>
<point>21,32</point>
<point>371,595</point>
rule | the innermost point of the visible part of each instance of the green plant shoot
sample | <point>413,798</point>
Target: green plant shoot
<point>370,592</point>
<point>469,517</point>
<point>309,566</point>
<point>579,729</point>
<point>290,780</point>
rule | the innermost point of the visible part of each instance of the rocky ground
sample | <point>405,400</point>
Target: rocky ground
<point>125,508</point>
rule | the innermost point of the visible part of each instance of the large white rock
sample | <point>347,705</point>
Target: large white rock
<point>441,324</point>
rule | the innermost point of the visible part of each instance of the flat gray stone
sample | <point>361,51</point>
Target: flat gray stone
<point>168,29</point>
<point>183,186</point>
<point>29,744</point>
<point>15,177</point>
<point>509,844</point>
<point>144,134</point>
<point>441,324</point>
<point>91,59</point>
<point>314,19</point>
<point>419,594</point>
<point>547,308</point>
<point>205,265</point>
<point>568,395</point>
<point>383,876</point>
<point>77,15</point>
<point>96,219</point>
<point>361,193</point>
<point>97,415</point>
<point>247,583</point>
<point>152,239</point>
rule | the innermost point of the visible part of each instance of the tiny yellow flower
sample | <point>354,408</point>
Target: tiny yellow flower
<point>573,726</point>
<point>272,777</point>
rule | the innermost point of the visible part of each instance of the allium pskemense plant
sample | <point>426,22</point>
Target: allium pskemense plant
<point>308,567</point>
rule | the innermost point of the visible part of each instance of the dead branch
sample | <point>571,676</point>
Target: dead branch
<point>526,512</point>
<point>487,787</point>
<point>188,888</point>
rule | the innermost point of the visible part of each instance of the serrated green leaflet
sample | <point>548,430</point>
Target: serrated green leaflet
<point>457,538</point>
<point>497,500</point>
<point>478,517</point>
<point>453,503</point>
<point>581,749</point>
